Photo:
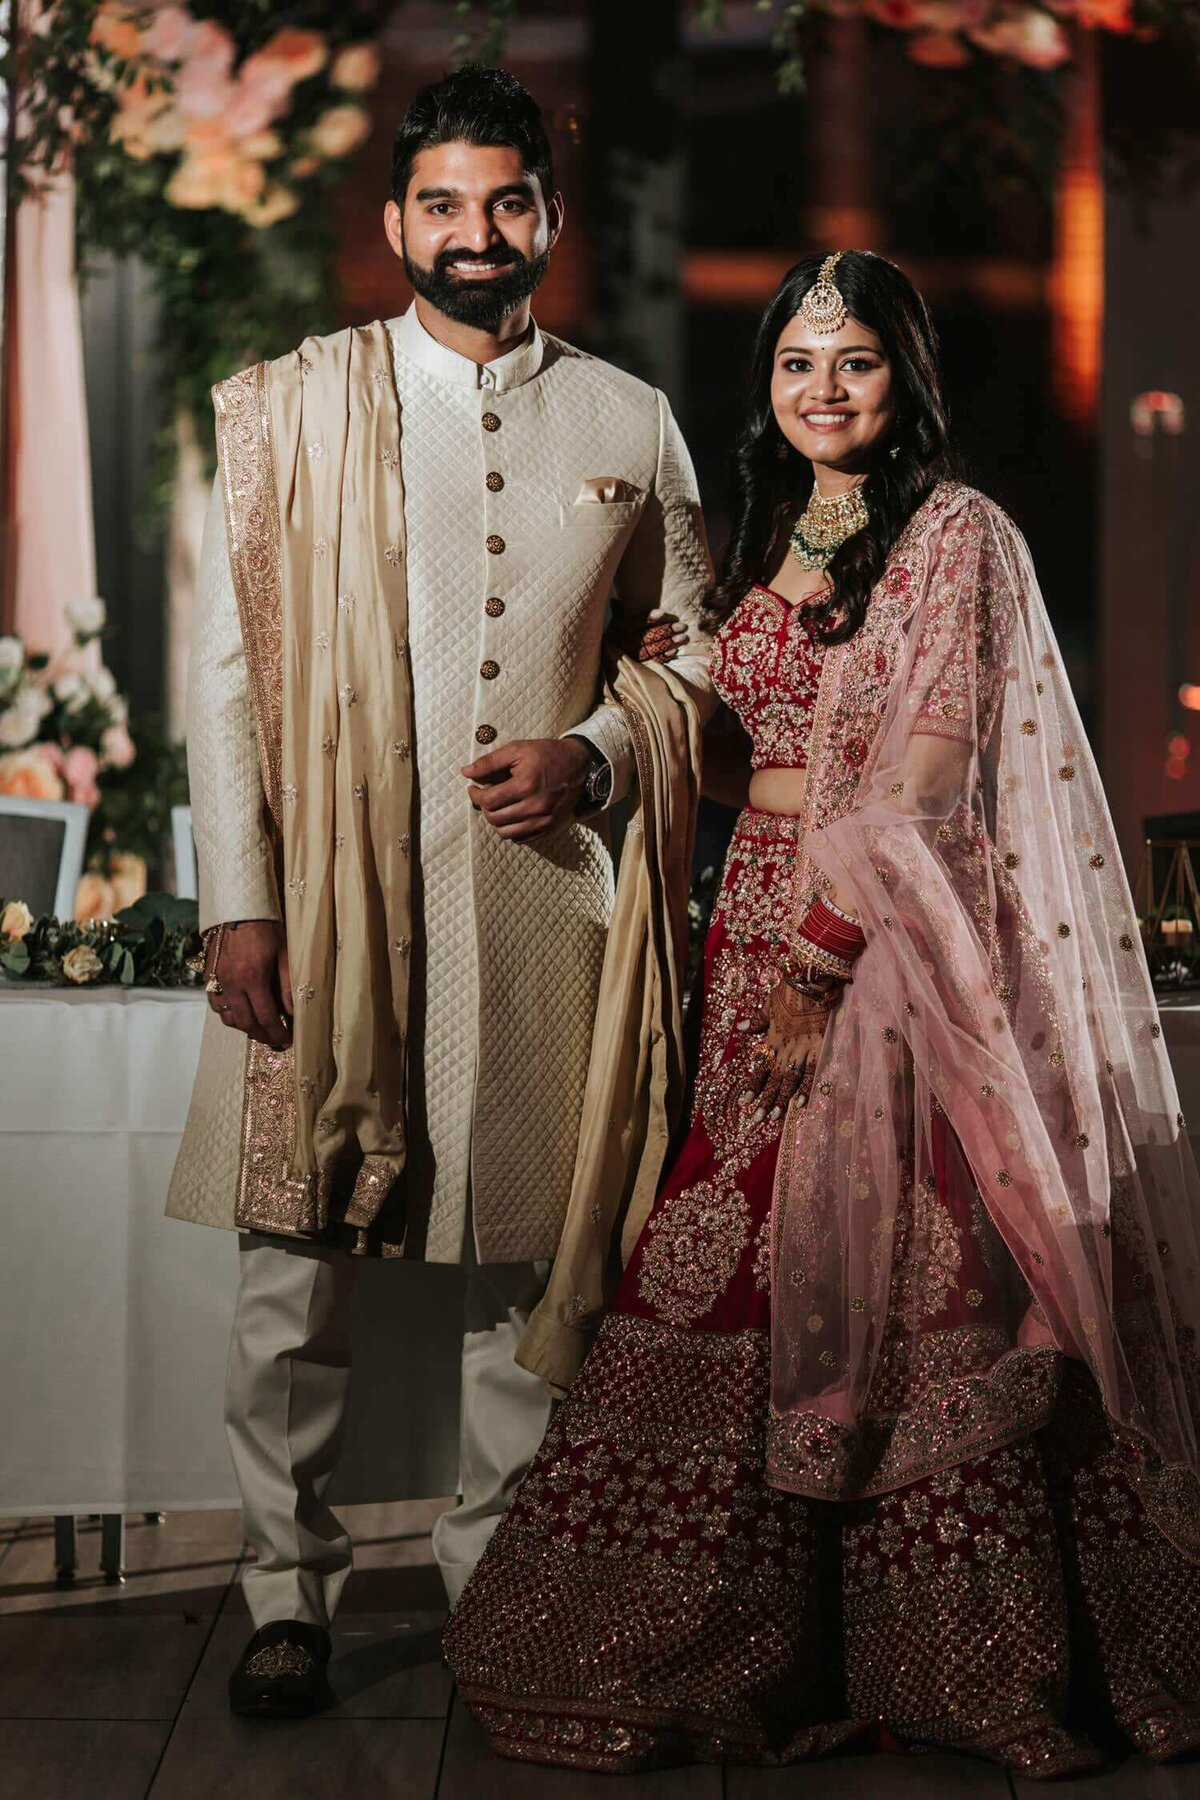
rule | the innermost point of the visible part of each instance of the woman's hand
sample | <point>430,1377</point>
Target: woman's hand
<point>659,637</point>
<point>788,1038</point>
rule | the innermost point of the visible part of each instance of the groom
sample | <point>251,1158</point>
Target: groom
<point>399,775</point>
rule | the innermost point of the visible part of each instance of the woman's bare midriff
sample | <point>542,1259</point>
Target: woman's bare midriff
<point>779,791</point>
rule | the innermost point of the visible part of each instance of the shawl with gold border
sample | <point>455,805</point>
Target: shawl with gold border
<point>310,468</point>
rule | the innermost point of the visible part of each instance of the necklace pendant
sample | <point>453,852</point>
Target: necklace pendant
<point>824,526</point>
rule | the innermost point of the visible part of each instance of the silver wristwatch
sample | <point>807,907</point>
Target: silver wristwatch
<point>598,784</point>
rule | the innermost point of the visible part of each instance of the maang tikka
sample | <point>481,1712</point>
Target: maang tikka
<point>822,310</point>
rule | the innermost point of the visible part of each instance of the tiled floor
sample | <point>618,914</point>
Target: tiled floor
<point>119,1694</point>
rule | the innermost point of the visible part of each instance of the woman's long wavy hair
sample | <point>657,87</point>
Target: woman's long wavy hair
<point>769,488</point>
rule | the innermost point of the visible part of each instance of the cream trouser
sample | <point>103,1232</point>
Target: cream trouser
<point>285,1405</point>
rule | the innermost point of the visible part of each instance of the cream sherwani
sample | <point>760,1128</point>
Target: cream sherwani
<point>510,574</point>
<point>537,490</point>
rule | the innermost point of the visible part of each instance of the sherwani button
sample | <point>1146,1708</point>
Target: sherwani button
<point>493,607</point>
<point>495,545</point>
<point>494,481</point>
<point>489,670</point>
<point>490,422</point>
<point>485,734</point>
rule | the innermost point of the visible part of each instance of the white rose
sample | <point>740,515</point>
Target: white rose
<point>86,617</point>
<point>82,964</point>
<point>102,682</point>
<point>19,723</point>
<point>12,656</point>
<point>72,691</point>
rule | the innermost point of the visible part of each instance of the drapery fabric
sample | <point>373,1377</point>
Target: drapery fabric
<point>636,1076</point>
<point>953,799</point>
<point>53,558</point>
<point>309,452</point>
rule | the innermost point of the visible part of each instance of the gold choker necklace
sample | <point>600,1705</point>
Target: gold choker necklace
<point>824,526</point>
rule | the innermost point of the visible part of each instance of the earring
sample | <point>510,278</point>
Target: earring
<point>894,451</point>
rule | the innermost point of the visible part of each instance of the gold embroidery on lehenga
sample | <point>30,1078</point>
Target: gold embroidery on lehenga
<point>695,1240</point>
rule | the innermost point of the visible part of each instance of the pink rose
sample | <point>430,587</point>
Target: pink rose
<point>93,899</point>
<point>117,748</point>
<point>16,920</point>
<point>253,106</point>
<point>31,774</point>
<point>302,53</point>
<point>203,91</point>
<point>79,772</point>
<point>266,79</point>
<point>211,46</point>
<point>169,34</point>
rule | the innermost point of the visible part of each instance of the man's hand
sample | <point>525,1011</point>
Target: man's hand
<point>526,789</point>
<point>256,985</point>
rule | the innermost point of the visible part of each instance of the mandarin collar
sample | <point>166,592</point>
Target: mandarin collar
<point>511,370</point>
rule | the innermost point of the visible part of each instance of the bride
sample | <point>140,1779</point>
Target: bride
<point>889,1437</point>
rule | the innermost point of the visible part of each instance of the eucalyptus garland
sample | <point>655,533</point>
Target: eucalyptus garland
<point>146,945</point>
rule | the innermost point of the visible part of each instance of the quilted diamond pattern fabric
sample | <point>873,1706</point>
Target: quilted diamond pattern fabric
<point>510,937</point>
<point>234,858</point>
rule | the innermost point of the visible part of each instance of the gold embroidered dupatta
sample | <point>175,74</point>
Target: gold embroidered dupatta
<point>309,454</point>
<point>953,799</point>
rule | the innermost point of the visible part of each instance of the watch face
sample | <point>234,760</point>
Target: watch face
<point>600,784</point>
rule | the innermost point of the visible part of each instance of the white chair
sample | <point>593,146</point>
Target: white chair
<point>184,844</point>
<point>42,845</point>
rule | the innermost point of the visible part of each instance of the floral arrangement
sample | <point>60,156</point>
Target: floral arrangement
<point>942,34</point>
<point>148,944</point>
<point>62,722</point>
<point>208,139</point>
<point>233,137</point>
<point>64,735</point>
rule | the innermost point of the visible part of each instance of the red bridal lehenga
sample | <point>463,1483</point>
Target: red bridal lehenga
<point>886,1438</point>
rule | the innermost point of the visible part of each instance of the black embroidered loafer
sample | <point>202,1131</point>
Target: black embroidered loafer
<point>281,1674</point>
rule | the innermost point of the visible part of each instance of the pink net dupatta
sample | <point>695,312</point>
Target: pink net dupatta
<point>954,801</point>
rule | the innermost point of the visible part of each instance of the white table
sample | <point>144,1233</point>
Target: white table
<point>114,1320</point>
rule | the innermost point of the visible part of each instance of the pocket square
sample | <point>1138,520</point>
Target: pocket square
<point>599,489</point>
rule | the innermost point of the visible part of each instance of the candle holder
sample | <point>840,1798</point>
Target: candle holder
<point>1167,896</point>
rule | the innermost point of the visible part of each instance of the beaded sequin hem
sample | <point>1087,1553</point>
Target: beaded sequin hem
<point>566,1737</point>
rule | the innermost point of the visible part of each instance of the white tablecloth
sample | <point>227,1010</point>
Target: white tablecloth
<point>114,1321</point>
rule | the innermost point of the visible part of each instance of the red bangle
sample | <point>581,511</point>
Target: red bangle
<point>830,930</point>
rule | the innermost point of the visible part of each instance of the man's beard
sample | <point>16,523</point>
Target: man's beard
<point>483,305</point>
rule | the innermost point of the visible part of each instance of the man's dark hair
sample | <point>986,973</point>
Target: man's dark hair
<point>475,105</point>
